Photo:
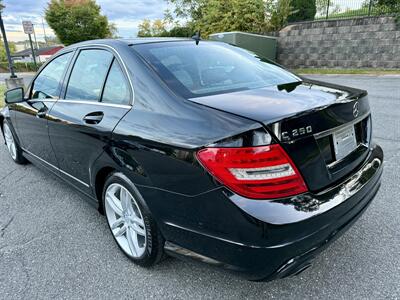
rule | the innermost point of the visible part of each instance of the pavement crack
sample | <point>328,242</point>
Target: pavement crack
<point>3,229</point>
<point>27,275</point>
<point>386,139</point>
<point>8,174</point>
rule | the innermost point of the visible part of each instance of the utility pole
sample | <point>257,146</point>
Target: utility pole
<point>3,33</point>
<point>44,32</point>
<point>33,51</point>
<point>36,43</point>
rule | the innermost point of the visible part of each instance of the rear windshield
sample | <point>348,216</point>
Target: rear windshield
<point>210,68</point>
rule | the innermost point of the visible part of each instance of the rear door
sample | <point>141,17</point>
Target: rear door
<point>97,95</point>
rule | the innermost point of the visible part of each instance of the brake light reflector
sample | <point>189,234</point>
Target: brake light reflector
<point>263,172</point>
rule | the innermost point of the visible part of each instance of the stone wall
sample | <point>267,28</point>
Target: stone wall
<point>372,42</point>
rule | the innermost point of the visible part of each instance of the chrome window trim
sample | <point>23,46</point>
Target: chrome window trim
<point>122,62</point>
<point>96,103</point>
<point>58,169</point>
<point>81,102</point>
<point>42,100</point>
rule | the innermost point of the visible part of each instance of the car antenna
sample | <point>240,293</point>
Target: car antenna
<point>197,37</point>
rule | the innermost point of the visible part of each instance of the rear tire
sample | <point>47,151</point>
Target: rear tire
<point>13,148</point>
<point>131,222</point>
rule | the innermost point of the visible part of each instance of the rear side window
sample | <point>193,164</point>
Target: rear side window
<point>47,83</point>
<point>88,75</point>
<point>116,89</point>
<point>211,68</point>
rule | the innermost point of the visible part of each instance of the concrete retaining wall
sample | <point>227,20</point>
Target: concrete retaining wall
<point>372,42</point>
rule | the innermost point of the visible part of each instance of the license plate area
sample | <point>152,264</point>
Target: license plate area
<point>344,142</point>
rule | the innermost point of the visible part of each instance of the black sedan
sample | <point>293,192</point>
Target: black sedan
<point>200,150</point>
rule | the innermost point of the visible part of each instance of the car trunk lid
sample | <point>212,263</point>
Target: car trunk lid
<point>324,128</point>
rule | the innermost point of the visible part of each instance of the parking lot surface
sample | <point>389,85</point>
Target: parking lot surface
<point>54,244</point>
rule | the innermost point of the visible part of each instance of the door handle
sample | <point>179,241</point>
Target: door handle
<point>93,118</point>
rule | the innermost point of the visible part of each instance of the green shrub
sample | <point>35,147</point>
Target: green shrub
<point>2,90</point>
<point>180,31</point>
<point>20,67</point>
<point>303,10</point>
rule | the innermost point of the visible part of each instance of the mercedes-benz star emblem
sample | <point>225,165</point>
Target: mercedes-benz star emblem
<point>356,110</point>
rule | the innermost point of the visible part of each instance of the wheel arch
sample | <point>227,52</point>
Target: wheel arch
<point>100,179</point>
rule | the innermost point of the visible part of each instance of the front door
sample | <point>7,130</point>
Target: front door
<point>32,115</point>
<point>97,96</point>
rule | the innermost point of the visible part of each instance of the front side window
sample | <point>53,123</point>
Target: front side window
<point>116,89</point>
<point>47,83</point>
<point>211,68</point>
<point>88,75</point>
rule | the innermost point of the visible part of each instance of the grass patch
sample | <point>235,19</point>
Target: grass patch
<point>2,90</point>
<point>348,71</point>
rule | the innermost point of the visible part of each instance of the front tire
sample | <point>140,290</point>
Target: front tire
<point>130,221</point>
<point>13,148</point>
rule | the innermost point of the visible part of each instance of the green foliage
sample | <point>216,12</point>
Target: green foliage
<point>180,31</point>
<point>322,6</point>
<point>77,20</point>
<point>157,28</point>
<point>219,15</point>
<point>231,15</point>
<point>2,91</point>
<point>304,10</point>
<point>186,9</point>
<point>150,29</point>
<point>212,16</point>
<point>277,14</point>
<point>113,31</point>
<point>20,66</point>
<point>3,55</point>
<point>389,3</point>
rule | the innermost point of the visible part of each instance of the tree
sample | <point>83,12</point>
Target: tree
<point>145,28</point>
<point>180,31</point>
<point>303,10</point>
<point>277,14</point>
<point>77,20</point>
<point>322,6</point>
<point>3,55</point>
<point>212,16</point>
<point>155,28</point>
<point>232,15</point>
<point>113,31</point>
<point>191,10</point>
<point>158,28</point>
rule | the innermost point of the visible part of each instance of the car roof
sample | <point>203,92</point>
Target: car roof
<point>133,41</point>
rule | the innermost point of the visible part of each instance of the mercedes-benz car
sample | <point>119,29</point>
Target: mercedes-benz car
<point>201,150</point>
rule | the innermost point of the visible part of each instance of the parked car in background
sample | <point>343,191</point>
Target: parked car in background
<point>200,150</point>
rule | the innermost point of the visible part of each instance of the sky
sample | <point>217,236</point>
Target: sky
<point>126,14</point>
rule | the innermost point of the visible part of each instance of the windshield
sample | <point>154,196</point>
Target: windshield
<point>211,68</point>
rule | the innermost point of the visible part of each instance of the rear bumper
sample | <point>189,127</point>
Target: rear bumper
<point>276,239</point>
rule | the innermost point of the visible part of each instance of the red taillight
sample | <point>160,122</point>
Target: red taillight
<point>263,172</point>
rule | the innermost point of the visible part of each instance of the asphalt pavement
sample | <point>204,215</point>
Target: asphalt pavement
<point>26,76</point>
<point>54,244</point>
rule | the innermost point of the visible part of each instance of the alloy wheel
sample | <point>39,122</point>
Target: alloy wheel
<point>125,220</point>
<point>12,149</point>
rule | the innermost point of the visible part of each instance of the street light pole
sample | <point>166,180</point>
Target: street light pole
<point>3,33</point>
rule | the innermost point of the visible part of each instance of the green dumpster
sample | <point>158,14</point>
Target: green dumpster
<point>262,45</point>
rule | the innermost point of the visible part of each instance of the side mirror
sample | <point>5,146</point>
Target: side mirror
<point>14,95</point>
